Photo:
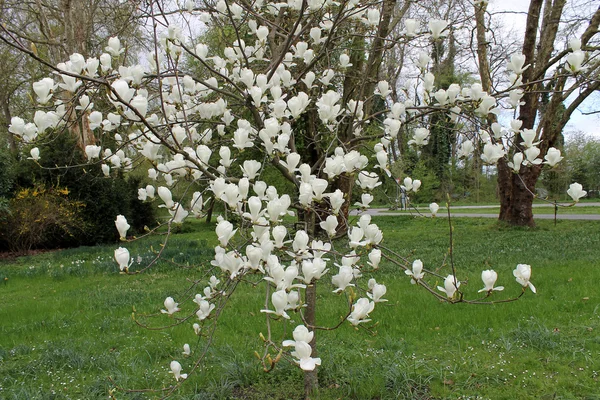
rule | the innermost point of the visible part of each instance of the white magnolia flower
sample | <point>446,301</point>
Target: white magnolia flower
<point>492,153</point>
<point>35,154</point>
<point>552,157</point>
<point>170,305</point>
<point>575,60</point>
<point>489,278</point>
<point>411,27</point>
<point>329,225</point>
<point>361,310</point>
<point>436,27</point>
<point>374,258</point>
<point>280,302</point>
<point>303,353</point>
<point>517,64</point>
<point>417,271</point>
<point>576,191</point>
<point>343,278</point>
<point>123,259</point>
<point>434,207</point>
<point>523,273</point>
<point>122,226</point>
<point>377,291</point>
<point>451,285</point>
<point>515,165</point>
<point>176,371</point>
<point>420,137</point>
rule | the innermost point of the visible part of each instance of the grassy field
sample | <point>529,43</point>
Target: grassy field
<point>66,330</point>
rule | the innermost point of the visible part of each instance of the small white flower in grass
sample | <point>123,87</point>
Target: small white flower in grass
<point>197,328</point>
<point>489,278</point>
<point>186,350</point>
<point>171,306</point>
<point>522,274</point>
<point>122,226</point>
<point>451,285</point>
<point>576,191</point>
<point>434,207</point>
<point>417,271</point>
<point>176,371</point>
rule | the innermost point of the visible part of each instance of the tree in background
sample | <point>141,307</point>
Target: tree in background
<point>550,80</point>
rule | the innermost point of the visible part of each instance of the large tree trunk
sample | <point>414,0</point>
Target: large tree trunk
<point>516,192</point>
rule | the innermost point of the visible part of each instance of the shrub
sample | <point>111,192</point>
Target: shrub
<point>41,217</point>
<point>103,198</point>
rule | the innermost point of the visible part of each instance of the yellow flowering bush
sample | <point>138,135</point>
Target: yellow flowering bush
<point>39,216</point>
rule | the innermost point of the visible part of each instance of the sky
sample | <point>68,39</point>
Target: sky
<point>514,14</point>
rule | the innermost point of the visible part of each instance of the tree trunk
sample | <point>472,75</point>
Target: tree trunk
<point>516,192</point>
<point>311,379</point>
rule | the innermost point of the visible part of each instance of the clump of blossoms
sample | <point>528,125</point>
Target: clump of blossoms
<point>274,100</point>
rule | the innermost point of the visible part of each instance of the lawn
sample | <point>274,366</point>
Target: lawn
<point>66,327</point>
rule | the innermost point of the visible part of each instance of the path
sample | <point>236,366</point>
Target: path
<point>425,211</point>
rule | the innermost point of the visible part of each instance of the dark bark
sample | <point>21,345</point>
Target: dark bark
<point>311,378</point>
<point>544,105</point>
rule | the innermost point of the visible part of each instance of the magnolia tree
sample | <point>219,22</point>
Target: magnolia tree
<point>295,92</point>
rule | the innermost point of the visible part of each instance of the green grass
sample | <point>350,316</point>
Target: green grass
<point>66,326</point>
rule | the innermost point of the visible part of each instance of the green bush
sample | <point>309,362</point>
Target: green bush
<point>41,217</point>
<point>102,198</point>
